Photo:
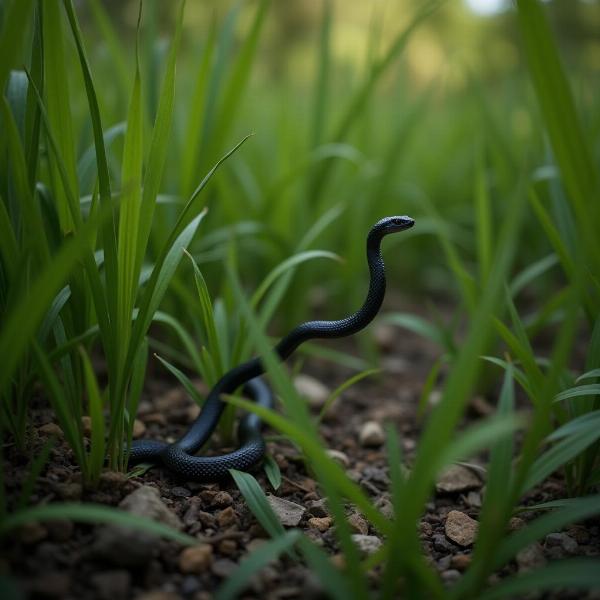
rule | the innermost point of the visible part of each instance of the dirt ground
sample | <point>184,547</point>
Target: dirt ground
<point>67,560</point>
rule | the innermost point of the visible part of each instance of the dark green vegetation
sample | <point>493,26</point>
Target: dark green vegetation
<point>104,182</point>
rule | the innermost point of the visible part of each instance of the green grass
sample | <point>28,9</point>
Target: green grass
<point>103,142</point>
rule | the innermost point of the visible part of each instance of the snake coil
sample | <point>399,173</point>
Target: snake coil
<point>179,457</point>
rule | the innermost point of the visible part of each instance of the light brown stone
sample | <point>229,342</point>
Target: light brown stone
<point>196,559</point>
<point>460,528</point>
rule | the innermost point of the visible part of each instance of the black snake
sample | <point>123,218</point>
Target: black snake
<point>179,457</point>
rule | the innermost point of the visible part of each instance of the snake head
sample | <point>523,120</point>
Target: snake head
<point>393,224</point>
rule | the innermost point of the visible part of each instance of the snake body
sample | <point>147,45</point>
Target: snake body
<point>179,457</point>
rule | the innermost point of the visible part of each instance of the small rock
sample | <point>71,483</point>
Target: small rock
<point>112,479</point>
<point>180,492</point>
<point>457,478</point>
<point>196,559</point>
<point>531,558</point>
<point>461,528</point>
<point>395,365</point>
<point>441,544</point>
<point>139,429</point>
<point>358,524</point>
<point>222,499</point>
<point>127,547</point>
<point>69,491</point>
<point>226,517</point>
<point>223,568</point>
<point>289,513</point>
<point>228,547</point>
<point>318,508</point>
<point>444,563</point>
<point>385,336</point>
<point>425,530</point>
<point>371,435</point>
<point>516,523</point>
<point>580,534</point>
<point>338,561</point>
<point>312,390</point>
<point>189,585</point>
<point>339,457</point>
<point>474,499</point>
<point>86,423</point>
<point>32,533</point>
<point>112,585</point>
<point>563,540</point>
<point>50,429</point>
<point>386,507</point>
<point>367,544</point>
<point>460,562</point>
<point>146,502</point>
<point>434,397</point>
<point>320,523</point>
<point>451,576</point>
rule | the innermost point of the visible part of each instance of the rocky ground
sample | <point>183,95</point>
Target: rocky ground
<point>67,560</point>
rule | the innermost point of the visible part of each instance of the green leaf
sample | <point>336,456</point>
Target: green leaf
<point>566,512</point>
<point>23,321</point>
<point>15,20</point>
<point>97,442</point>
<point>589,375</point>
<point>343,387</point>
<point>93,514</point>
<point>417,325</point>
<point>272,471</point>
<point>575,573</point>
<point>184,380</point>
<point>251,565</point>
<point>258,503</point>
<point>583,390</point>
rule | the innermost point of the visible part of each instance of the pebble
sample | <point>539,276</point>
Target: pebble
<point>222,499</point>
<point>50,429</point>
<point>315,392</point>
<point>112,585</point>
<point>563,540</point>
<point>457,478</point>
<point>530,558</point>
<point>226,517</point>
<point>461,528</point>
<point>126,547</point>
<point>367,544</point>
<point>474,499</point>
<point>289,513</point>
<point>371,435</point>
<point>196,559</point>
<point>358,524</point>
<point>460,561</point>
<point>320,523</point>
<point>385,335</point>
<point>86,423</point>
<point>441,544</point>
<point>139,429</point>
<point>451,576</point>
<point>69,490</point>
<point>228,547</point>
<point>516,523</point>
<point>180,492</point>
<point>318,508</point>
<point>112,479</point>
<point>223,567</point>
<point>339,457</point>
<point>386,507</point>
